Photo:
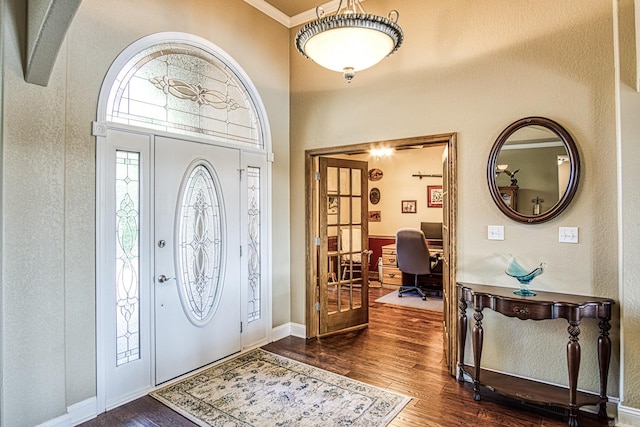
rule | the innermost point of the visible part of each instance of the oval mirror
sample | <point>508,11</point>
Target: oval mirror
<point>533,170</point>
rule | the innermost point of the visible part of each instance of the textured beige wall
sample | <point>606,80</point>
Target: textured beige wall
<point>397,184</point>
<point>49,184</point>
<point>630,206</point>
<point>474,68</point>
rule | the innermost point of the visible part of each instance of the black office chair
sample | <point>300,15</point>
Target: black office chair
<point>412,254</point>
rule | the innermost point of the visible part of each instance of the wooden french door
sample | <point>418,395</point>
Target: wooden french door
<point>343,268</point>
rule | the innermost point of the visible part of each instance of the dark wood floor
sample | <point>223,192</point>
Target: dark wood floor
<point>400,351</point>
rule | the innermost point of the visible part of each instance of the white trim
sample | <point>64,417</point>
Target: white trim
<point>619,180</point>
<point>280,332</point>
<point>288,329</point>
<point>298,330</point>
<point>293,21</point>
<point>77,413</point>
<point>271,11</point>
<point>628,416</point>
<point>83,411</point>
<point>310,14</point>
<point>61,421</point>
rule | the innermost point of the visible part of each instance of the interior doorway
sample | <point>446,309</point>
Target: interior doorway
<point>446,168</point>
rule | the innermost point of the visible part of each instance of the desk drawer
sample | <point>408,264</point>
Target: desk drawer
<point>389,259</point>
<point>391,276</point>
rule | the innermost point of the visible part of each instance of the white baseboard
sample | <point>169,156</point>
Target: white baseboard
<point>76,414</point>
<point>280,332</point>
<point>628,417</point>
<point>83,411</point>
<point>293,329</point>
<point>298,330</point>
<point>61,421</point>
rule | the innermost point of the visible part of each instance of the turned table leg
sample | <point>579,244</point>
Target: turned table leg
<point>604,357</point>
<point>462,334</point>
<point>573,363</point>
<point>478,336</point>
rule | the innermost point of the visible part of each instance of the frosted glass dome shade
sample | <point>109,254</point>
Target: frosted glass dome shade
<point>355,47</point>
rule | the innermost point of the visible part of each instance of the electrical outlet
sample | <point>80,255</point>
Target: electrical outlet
<point>568,235</point>
<point>495,232</point>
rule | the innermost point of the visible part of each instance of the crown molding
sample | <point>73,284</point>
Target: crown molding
<point>295,20</point>
<point>270,11</point>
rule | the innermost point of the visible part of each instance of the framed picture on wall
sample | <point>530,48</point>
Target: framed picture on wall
<point>434,196</point>
<point>409,206</point>
<point>375,216</point>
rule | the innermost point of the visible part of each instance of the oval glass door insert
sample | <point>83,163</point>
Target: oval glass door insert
<point>200,243</point>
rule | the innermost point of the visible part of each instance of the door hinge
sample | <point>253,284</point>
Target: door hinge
<point>316,176</point>
<point>241,250</point>
<point>317,241</point>
<point>240,170</point>
<point>240,327</point>
<point>317,306</point>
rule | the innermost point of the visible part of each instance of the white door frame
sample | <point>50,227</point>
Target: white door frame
<point>256,334</point>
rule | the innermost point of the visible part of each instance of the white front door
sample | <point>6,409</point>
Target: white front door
<point>197,266</point>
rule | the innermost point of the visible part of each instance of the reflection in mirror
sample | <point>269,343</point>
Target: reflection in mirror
<point>529,163</point>
<point>533,170</point>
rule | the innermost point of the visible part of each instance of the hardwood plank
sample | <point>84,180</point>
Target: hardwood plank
<point>400,351</point>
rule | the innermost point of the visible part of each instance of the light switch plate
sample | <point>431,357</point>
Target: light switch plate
<point>568,235</point>
<point>495,232</point>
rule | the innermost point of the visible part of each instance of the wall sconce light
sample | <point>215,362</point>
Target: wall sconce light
<point>536,205</point>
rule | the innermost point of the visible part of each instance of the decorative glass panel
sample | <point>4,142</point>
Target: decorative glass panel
<point>181,88</point>
<point>253,176</point>
<point>200,249</point>
<point>127,254</point>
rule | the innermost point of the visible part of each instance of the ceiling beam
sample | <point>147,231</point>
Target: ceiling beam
<point>47,25</point>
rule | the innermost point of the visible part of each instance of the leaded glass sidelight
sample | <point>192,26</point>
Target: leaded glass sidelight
<point>127,262</point>
<point>200,243</point>
<point>253,175</point>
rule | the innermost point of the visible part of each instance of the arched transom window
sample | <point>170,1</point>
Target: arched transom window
<point>181,88</point>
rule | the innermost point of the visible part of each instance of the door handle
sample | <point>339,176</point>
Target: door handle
<point>162,278</point>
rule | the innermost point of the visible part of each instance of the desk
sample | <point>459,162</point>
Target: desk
<point>391,274</point>
<point>545,305</point>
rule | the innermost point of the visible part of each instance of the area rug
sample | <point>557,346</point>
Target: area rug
<point>264,389</point>
<point>432,303</point>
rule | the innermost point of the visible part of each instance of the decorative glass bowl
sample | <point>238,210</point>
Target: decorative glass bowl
<point>524,277</point>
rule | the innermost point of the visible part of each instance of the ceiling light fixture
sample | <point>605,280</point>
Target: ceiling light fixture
<point>349,40</point>
<point>381,152</point>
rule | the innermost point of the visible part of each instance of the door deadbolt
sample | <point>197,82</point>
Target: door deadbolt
<point>161,243</point>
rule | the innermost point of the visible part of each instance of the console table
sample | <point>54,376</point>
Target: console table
<point>545,305</point>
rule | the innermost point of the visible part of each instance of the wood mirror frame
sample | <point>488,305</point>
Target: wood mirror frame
<point>573,178</point>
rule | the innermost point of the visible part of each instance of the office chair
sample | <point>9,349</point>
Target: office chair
<point>412,254</point>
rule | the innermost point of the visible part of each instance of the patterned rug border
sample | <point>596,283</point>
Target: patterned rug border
<point>294,365</point>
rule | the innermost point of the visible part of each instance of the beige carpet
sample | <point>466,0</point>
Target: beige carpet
<point>433,303</point>
<point>263,389</point>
